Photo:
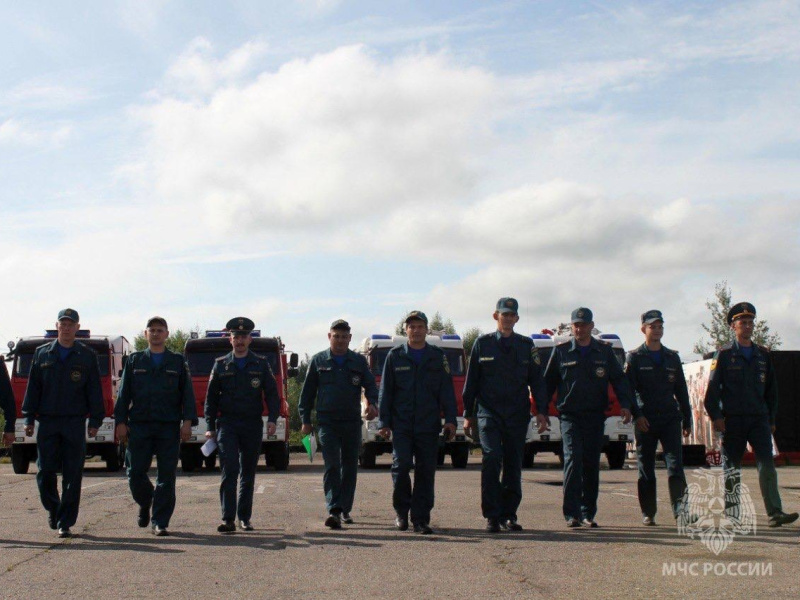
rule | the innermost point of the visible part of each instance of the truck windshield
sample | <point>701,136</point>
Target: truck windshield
<point>201,363</point>
<point>378,359</point>
<point>456,359</point>
<point>23,362</point>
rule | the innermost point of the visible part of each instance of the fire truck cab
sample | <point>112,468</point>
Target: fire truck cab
<point>112,351</point>
<point>375,348</point>
<point>201,352</point>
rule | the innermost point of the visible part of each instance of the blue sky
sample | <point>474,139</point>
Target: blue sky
<point>297,162</point>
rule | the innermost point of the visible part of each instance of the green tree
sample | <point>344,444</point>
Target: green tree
<point>718,330</point>
<point>469,337</point>
<point>175,342</point>
<point>436,323</point>
<point>294,387</point>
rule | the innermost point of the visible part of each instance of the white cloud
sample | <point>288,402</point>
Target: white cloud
<point>19,132</point>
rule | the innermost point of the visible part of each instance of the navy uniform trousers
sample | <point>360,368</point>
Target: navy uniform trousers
<point>239,442</point>
<point>341,442</point>
<point>502,444</point>
<point>420,451</point>
<point>582,437</point>
<point>668,431</point>
<point>61,444</point>
<point>162,440</point>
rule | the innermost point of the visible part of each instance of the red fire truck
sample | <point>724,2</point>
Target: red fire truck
<point>112,351</point>
<point>375,348</point>
<point>200,354</point>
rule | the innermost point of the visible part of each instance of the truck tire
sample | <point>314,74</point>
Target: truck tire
<point>694,455</point>
<point>279,456</point>
<point>615,453</point>
<point>560,455</point>
<point>528,457</point>
<point>189,461</point>
<point>459,456</point>
<point>367,457</point>
<point>210,462</point>
<point>440,457</point>
<point>20,460</point>
<point>114,457</point>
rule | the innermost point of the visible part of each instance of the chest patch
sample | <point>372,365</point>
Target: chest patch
<point>356,379</point>
<point>255,382</point>
<point>762,377</point>
<point>402,369</point>
<point>75,376</point>
<point>671,377</point>
<point>600,371</point>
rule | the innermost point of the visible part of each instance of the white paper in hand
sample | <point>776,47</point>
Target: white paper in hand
<point>208,448</point>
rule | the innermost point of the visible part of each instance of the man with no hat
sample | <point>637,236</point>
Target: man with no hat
<point>333,386</point>
<point>656,376</point>
<point>241,384</point>
<point>742,402</point>
<point>154,413</point>
<point>63,388</point>
<point>503,367</point>
<point>416,388</point>
<point>581,371</point>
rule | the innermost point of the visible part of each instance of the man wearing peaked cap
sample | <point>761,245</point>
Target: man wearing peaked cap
<point>333,386</point>
<point>742,401</point>
<point>656,375</point>
<point>154,412</point>
<point>503,367</point>
<point>581,371</point>
<point>241,384</point>
<point>63,388</point>
<point>416,388</point>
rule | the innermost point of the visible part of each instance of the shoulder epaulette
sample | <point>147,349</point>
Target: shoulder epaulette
<point>258,356</point>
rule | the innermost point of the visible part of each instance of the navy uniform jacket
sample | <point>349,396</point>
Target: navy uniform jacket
<point>497,383</point>
<point>64,389</point>
<point>150,393</point>
<point>240,393</point>
<point>739,387</point>
<point>657,387</point>
<point>412,397</point>
<point>336,389</point>
<point>7,399</point>
<point>582,384</point>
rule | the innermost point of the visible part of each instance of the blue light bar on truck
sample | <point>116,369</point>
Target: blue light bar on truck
<point>52,333</point>
<point>380,336</point>
<point>609,336</point>
<point>540,336</point>
<point>451,336</point>
<point>221,333</point>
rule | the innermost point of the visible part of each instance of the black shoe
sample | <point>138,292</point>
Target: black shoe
<point>160,531</point>
<point>246,526</point>
<point>346,518</point>
<point>589,523</point>
<point>401,523</point>
<point>572,522</point>
<point>782,518</point>
<point>226,527</point>
<point>334,521</point>
<point>64,532</point>
<point>422,528</point>
<point>52,519</point>
<point>510,525</point>
<point>493,525</point>
<point>648,521</point>
<point>144,516</point>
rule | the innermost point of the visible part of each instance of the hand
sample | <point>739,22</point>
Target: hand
<point>271,428</point>
<point>8,438</point>
<point>468,428</point>
<point>122,433</point>
<point>372,412</point>
<point>449,431</point>
<point>186,431</point>
<point>772,428</point>
<point>626,415</point>
<point>306,428</point>
<point>719,425</point>
<point>91,431</point>
<point>385,433</point>
<point>687,432</point>
<point>642,424</point>
<point>211,434</point>
<point>29,430</point>
<point>542,422</point>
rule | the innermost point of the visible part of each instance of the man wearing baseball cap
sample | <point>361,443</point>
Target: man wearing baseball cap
<point>416,388</point>
<point>333,386</point>
<point>154,413</point>
<point>742,401</point>
<point>656,376</point>
<point>63,388</point>
<point>581,370</point>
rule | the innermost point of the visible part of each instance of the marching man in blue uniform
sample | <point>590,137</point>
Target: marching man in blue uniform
<point>63,388</point>
<point>581,370</point>
<point>416,388</point>
<point>656,376</point>
<point>154,413</point>
<point>742,402</point>
<point>335,379</point>
<point>241,383</point>
<point>503,367</point>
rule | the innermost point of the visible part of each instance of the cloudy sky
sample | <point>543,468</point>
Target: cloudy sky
<point>302,161</point>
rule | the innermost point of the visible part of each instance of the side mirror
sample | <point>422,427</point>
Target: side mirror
<point>293,360</point>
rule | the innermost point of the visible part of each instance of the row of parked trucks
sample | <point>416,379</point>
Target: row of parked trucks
<point>201,352</point>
